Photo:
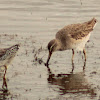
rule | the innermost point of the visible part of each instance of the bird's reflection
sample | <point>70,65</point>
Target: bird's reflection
<point>71,83</point>
<point>3,89</point>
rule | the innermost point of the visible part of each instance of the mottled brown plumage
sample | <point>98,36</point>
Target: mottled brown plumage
<point>72,36</point>
<point>76,31</point>
<point>7,54</point>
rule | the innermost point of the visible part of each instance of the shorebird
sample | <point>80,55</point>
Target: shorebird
<point>73,37</point>
<point>7,54</point>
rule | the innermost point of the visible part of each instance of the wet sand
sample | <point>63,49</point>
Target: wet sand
<point>33,23</point>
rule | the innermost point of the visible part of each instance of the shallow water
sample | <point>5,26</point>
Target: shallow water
<point>33,23</point>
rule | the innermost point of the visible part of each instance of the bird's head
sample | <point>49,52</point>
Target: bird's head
<point>52,46</point>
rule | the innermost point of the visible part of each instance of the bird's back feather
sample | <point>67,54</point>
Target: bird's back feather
<point>76,31</point>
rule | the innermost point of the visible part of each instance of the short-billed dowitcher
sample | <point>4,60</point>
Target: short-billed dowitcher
<point>73,37</point>
<point>7,54</point>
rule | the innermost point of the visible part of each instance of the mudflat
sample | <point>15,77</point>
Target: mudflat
<point>33,23</point>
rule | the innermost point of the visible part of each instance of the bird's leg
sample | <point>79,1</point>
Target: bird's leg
<point>4,78</point>
<point>5,70</point>
<point>84,66</point>
<point>72,67</point>
<point>84,53</point>
<point>72,55</point>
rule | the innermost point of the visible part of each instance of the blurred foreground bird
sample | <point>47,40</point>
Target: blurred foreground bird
<point>73,37</point>
<point>7,54</point>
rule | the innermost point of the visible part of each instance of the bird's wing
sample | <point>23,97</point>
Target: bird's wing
<point>75,31</point>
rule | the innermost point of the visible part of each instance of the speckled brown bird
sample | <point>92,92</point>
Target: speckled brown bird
<point>73,37</point>
<point>7,54</point>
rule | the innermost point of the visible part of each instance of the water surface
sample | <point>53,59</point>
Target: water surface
<point>33,23</point>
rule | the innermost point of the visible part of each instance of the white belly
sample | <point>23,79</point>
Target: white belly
<point>4,62</point>
<point>80,44</point>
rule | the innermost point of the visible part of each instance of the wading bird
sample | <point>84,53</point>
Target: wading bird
<point>73,37</point>
<point>7,54</point>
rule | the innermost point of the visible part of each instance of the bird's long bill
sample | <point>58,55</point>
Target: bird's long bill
<point>49,56</point>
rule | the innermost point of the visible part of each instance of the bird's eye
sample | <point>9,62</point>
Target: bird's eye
<point>95,21</point>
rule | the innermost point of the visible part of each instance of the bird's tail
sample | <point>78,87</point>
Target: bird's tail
<point>92,22</point>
